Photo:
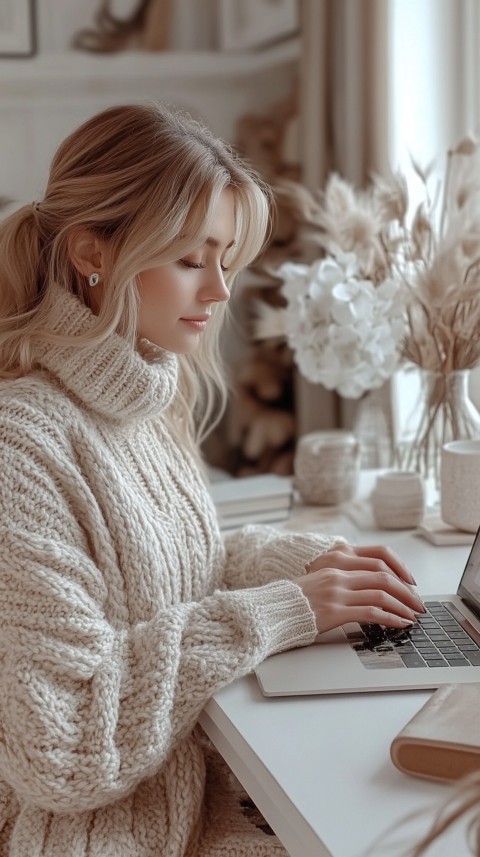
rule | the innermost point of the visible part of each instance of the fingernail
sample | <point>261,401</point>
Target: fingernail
<point>409,574</point>
<point>407,623</point>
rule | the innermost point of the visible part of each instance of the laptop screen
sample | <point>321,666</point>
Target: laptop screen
<point>469,586</point>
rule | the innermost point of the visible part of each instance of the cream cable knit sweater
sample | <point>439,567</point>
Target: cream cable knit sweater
<point>121,612</point>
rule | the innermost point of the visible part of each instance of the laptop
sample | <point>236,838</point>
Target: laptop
<point>443,647</point>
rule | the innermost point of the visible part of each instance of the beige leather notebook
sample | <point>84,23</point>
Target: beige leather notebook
<point>442,741</point>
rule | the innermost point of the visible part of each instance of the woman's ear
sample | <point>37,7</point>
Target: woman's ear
<point>87,253</point>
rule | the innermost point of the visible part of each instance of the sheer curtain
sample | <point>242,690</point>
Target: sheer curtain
<point>344,125</point>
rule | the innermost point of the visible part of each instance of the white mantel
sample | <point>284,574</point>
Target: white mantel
<point>43,98</point>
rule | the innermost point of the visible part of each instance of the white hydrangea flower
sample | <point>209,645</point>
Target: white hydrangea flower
<point>345,332</point>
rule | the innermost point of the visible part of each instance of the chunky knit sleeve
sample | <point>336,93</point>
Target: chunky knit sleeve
<point>89,708</point>
<point>256,555</point>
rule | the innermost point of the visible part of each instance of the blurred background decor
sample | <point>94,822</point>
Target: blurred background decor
<point>247,24</point>
<point>147,26</point>
<point>17,28</point>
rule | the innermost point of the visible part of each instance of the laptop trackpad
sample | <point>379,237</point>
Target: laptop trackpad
<point>299,670</point>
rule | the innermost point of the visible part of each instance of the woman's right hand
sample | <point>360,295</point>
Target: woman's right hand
<point>359,584</point>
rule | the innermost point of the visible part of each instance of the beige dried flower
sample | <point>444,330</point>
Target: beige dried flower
<point>470,242</point>
<point>338,197</point>
<point>467,146</point>
<point>391,198</point>
<point>421,233</point>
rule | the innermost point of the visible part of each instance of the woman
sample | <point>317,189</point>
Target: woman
<point>121,609</point>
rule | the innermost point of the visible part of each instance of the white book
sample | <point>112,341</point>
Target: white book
<point>269,516</point>
<point>260,504</point>
<point>263,492</point>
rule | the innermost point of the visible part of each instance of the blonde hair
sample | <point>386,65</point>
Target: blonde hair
<point>147,179</point>
<point>463,802</point>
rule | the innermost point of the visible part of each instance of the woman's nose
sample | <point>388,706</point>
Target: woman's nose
<point>215,287</point>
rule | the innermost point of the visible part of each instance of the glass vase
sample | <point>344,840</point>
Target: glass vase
<point>372,428</point>
<point>444,411</point>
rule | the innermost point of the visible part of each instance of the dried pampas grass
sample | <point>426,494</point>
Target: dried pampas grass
<point>438,262</point>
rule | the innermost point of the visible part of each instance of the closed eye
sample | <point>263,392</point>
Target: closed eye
<point>188,264</point>
<point>197,265</point>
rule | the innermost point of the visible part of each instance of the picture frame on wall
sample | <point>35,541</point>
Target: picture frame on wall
<point>17,28</point>
<point>250,24</point>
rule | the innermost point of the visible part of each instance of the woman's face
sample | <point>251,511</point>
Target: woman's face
<point>176,299</point>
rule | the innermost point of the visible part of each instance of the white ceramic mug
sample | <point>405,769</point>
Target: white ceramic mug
<point>460,484</point>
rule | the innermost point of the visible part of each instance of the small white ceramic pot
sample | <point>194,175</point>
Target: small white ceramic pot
<point>398,500</point>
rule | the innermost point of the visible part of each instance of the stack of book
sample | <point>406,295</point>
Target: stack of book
<point>265,498</point>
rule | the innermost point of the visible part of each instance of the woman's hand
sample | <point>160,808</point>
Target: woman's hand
<point>360,584</point>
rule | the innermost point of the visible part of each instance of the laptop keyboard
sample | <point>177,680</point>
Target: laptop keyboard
<point>437,639</point>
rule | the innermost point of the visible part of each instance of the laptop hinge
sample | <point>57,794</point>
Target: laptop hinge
<point>461,619</point>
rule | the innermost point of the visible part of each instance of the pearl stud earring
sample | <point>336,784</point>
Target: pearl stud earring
<point>93,279</point>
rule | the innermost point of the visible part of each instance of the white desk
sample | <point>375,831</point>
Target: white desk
<point>319,768</point>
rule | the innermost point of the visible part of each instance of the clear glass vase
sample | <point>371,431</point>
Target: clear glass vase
<point>444,411</point>
<point>372,428</point>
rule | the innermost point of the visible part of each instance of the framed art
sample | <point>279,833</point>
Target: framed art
<point>248,24</point>
<point>17,28</point>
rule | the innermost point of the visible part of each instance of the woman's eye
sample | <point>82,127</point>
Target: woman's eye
<point>189,264</point>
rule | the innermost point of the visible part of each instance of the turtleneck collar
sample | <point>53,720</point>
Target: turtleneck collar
<point>112,379</point>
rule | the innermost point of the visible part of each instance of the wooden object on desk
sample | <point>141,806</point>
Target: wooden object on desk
<point>442,740</point>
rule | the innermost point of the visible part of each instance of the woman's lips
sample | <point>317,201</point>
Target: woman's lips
<point>197,322</point>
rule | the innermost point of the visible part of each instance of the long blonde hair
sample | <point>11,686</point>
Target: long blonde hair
<point>147,179</point>
<point>460,806</point>
<point>463,802</point>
